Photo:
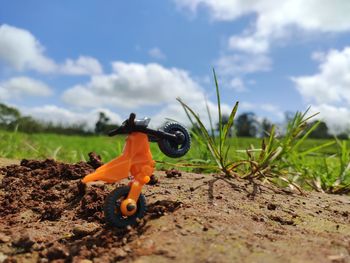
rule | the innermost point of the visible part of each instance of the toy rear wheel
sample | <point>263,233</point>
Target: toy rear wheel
<point>175,149</point>
<point>112,212</point>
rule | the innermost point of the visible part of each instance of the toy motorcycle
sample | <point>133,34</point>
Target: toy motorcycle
<point>126,204</point>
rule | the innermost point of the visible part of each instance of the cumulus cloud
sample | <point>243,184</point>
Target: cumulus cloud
<point>21,51</point>
<point>336,117</point>
<point>249,44</point>
<point>234,67</point>
<point>332,82</point>
<point>23,86</point>
<point>156,53</point>
<point>84,65</point>
<point>269,108</point>
<point>328,91</point>
<point>273,18</point>
<point>132,85</point>
<point>243,64</point>
<point>237,84</point>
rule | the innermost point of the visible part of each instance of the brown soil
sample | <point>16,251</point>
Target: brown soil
<point>47,215</point>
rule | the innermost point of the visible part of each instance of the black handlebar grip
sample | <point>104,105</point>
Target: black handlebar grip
<point>113,132</point>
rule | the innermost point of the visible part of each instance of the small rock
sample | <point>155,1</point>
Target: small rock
<point>56,252</point>
<point>219,197</point>
<point>24,242</point>
<point>271,206</point>
<point>191,189</point>
<point>85,229</point>
<point>205,228</point>
<point>173,173</point>
<point>118,253</point>
<point>3,257</point>
<point>95,160</point>
<point>4,238</point>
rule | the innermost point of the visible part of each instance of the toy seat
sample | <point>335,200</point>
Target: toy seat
<point>143,122</point>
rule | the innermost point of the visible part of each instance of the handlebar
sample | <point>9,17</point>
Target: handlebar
<point>128,126</point>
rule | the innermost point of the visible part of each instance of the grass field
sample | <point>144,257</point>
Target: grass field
<point>71,149</point>
<point>321,169</point>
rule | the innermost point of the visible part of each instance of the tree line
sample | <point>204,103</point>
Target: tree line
<point>246,124</point>
<point>11,119</point>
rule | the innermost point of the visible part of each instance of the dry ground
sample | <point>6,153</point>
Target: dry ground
<point>46,215</point>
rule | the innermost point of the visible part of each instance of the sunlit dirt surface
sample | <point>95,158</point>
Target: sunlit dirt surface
<point>47,215</point>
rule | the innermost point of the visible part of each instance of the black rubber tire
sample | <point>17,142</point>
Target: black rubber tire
<point>172,149</point>
<point>113,215</point>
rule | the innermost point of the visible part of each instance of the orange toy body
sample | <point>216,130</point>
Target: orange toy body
<point>136,161</point>
<point>126,204</point>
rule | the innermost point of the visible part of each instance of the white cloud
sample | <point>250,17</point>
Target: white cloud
<point>336,117</point>
<point>133,85</point>
<point>328,91</point>
<point>23,86</point>
<point>174,111</point>
<point>249,44</point>
<point>82,66</point>
<point>242,64</point>
<point>274,18</point>
<point>156,53</point>
<point>58,115</point>
<point>269,108</point>
<point>219,9</point>
<point>273,109</point>
<point>233,68</point>
<point>21,51</point>
<point>237,84</point>
<point>332,83</point>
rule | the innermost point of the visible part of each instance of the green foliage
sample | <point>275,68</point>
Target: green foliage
<point>321,131</point>
<point>246,125</point>
<point>288,160</point>
<point>103,126</point>
<point>218,148</point>
<point>8,115</point>
<point>331,173</point>
<point>279,159</point>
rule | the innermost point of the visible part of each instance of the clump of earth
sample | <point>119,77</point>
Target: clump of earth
<point>48,215</point>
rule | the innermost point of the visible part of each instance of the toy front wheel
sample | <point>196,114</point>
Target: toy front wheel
<point>112,212</point>
<point>175,149</point>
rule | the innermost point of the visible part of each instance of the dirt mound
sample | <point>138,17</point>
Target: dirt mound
<point>40,200</point>
<point>45,187</point>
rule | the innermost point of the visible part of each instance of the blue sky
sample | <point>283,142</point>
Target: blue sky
<point>65,60</point>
